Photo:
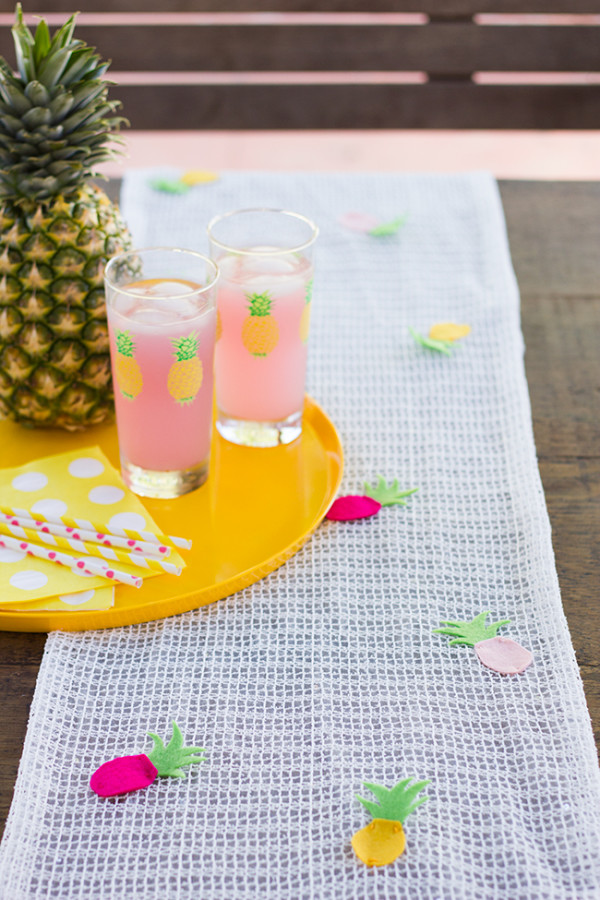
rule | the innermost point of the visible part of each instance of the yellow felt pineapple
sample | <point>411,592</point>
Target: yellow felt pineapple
<point>260,333</point>
<point>56,230</point>
<point>382,841</point>
<point>185,376</point>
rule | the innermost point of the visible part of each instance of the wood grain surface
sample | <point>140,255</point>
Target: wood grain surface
<point>198,65</point>
<point>456,103</point>
<point>448,48</point>
<point>434,8</point>
<point>554,233</point>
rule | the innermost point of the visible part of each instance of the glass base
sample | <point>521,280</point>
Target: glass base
<point>259,434</point>
<point>163,485</point>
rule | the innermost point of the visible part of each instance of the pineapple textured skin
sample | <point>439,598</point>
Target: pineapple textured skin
<point>57,229</point>
<point>54,353</point>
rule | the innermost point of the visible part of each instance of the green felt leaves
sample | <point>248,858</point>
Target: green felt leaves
<point>182,185</point>
<point>168,760</point>
<point>387,495</point>
<point>431,343</point>
<point>394,803</point>
<point>470,633</point>
<point>388,228</point>
<point>169,186</point>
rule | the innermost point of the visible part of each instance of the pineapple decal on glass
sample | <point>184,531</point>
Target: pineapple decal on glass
<point>305,318</point>
<point>127,371</point>
<point>185,375</point>
<point>260,333</point>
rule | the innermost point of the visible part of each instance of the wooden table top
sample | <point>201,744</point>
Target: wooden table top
<point>554,233</point>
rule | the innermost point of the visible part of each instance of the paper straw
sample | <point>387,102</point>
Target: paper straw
<point>90,537</point>
<point>134,559</point>
<point>87,566</point>
<point>100,528</point>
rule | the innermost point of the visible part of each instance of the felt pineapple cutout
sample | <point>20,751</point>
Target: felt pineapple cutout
<point>442,336</point>
<point>305,318</point>
<point>260,333</point>
<point>362,506</point>
<point>127,370</point>
<point>132,773</point>
<point>501,654</point>
<point>382,841</point>
<point>185,375</point>
<point>57,230</point>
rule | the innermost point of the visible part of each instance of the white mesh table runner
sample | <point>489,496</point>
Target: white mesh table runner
<point>327,674</point>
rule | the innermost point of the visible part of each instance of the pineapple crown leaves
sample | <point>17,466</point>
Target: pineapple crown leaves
<point>169,760</point>
<point>125,345</point>
<point>387,495</point>
<point>260,304</point>
<point>470,633</point>
<point>55,119</point>
<point>186,347</point>
<point>394,803</point>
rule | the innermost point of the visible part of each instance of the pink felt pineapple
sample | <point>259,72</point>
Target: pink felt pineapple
<point>132,773</point>
<point>501,654</point>
<point>362,506</point>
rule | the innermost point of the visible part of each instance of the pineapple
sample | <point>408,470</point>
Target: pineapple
<point>128,372</point>
<point>185,376</point>
<point>56,231</point>
<point>305,318</point>
<point>501,654</point>
<point>382,840</point>
<point>260,333</point>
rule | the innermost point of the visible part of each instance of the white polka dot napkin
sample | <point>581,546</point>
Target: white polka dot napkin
<point>82,488</point>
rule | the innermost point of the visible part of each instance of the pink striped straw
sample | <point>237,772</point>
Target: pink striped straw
<point>87,566</point>
<point>73,542</point>
<point>102,529</point>
<point>90,537</point>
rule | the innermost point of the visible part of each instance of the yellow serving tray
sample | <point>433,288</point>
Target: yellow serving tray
<point>256,510</point>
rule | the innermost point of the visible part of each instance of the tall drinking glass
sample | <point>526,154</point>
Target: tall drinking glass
<point>161,319</point>
<point>265,258</point>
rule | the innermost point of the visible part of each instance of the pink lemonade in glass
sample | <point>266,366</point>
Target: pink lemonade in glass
<point>264,313</point>
<point>264,302</point>
<point>162,333</point>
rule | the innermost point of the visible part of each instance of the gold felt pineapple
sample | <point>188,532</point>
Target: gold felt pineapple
<point>381,841</point>
<point>56,230</point>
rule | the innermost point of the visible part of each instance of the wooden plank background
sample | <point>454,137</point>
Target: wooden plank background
<point>254,67</point>
<point>440,8</point>
<point>450,48</point>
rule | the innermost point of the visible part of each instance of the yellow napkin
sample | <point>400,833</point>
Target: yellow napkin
<point>81,485</point>
<point>96,598</point>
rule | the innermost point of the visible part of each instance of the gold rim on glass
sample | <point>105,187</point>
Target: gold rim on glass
<point>115,260</point>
